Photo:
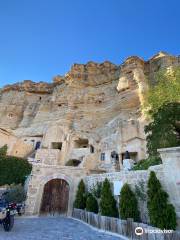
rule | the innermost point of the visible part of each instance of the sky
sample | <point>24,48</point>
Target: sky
<point>40,39</point>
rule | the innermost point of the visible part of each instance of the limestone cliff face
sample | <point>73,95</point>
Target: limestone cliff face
<point>84,100</point>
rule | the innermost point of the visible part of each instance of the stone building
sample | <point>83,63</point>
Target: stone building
<point>82,123</point>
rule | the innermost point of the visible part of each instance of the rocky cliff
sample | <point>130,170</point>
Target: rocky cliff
<point>85,100</point>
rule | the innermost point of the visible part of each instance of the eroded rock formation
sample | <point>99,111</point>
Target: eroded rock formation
<point>85,100</point>
<point>99,102</point>
<point>82,123</point>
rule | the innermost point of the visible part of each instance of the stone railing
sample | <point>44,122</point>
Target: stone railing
<point>126,228</point>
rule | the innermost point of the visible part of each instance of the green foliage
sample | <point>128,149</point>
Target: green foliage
<point>140,191</point>
<point>13,170</point>
<point>80,201</point>
<point>107,202</point>
<point>164,130</point>
<point>165,90</point>
<point>161,213</point>
<point>146,163</point>
<point>96,190</point>
<point>92,204</point>
<point>15,193</point>
<point>128,204</point>
<point>3,151</point>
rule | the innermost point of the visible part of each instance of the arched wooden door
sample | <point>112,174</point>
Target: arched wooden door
<point>55,197</point>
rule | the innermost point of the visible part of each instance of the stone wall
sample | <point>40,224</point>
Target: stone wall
<point>131,177</point>
<point>168,173</point>
<point>171,174</point>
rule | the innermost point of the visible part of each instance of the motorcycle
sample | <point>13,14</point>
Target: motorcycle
<point>7,212</point>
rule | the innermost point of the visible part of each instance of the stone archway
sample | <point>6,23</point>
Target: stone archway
<point>55,197</point>
<point>36,189</point>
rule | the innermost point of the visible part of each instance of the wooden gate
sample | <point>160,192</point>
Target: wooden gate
<point>55,197</point>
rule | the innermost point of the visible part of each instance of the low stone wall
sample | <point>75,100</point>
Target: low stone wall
<point>131,177</point>
<point>124,227</point>
<point>168,173</point>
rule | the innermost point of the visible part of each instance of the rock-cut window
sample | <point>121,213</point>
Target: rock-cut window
<point>102,156</point>
<point>91,149</point>
<point>10,115</point>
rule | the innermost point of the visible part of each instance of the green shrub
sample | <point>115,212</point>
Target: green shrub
<point>107,202</point>
<point>91,204</point>
<point>165,89</point>
<point>161,213</point>
<point>15,193</point>
<point>3,151</point>
<point>13,170</point>
<point>146,163</point>
<point>80,201</point>
<point>128,204</point>
<point>164,130</point>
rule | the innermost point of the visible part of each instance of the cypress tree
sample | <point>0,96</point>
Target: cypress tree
<point>80,201</point>
<point>161,213</point>
<point>91,204</point>
<point>128,204</point>
<point>107,202</point>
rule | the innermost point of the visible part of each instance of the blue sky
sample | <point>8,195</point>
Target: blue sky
<point>42,38</point>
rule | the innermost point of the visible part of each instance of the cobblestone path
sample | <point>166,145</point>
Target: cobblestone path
<point>46,228</point>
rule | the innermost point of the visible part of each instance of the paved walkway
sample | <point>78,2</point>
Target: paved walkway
<point>52,229</point>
